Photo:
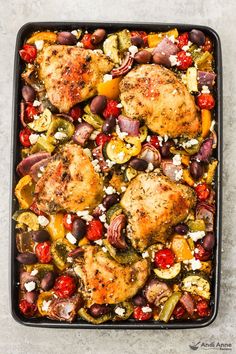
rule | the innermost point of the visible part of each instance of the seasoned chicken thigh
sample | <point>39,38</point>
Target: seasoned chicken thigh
<point>106,281</point>
<point>69,182</point>
<point>155,94</point>
<point>153,205</point>
<point>71,74</point>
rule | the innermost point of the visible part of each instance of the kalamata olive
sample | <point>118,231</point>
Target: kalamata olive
<point>208,241</point>
<point>27,258</point>
<point>78,228</point>
<point>66,38</point>
<point>40,236</point>
<point>165,149</point>
<point>28,93</point>
<point>196,169</point>
<point>161,59</point>
<point>139,300</point>
<point>98,36</point>
<point>98,104</point>
<point>197,37</point>
<point>48,281</point>
<point>31,297</point>
<point>109,125</point>
<point>137,41</point>
<point>181,229</point>
<point>97,310</point>
<point>143,57</point>
<point>139,164</point>
<point>110,200</point>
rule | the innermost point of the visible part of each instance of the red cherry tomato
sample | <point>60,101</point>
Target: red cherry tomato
<point>35,209</point>
<point>28,53</point>
<point>202,191</point>
<point>86,40</point>
<point>102,139</point>
<point>155,141</point>
<point>207,46</point>
<point>94,230</point>
<point>43,252</point>
<point>30,112</point>
<point>139,315</point>
<point>76,112</point>
<point>205,101</point>
<point>184,60</point>
<point>27,309</point>
<point>65,286</point>
<point>203,308</point>
<point>111,109</point>
<point>141,34</point>
<point>183,40</point>
<point>24,137</point>
<point>66,221</point>
<point>164,258</point>
<point>201,253</point>
<point>179,311</point>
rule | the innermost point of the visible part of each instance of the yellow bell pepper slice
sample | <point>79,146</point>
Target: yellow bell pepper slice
<point>206,122</point>
<point>185,159</point>
<point>211,171</point>
<point>44,297</point>
<point>110,88</point>
<point>143,132</point>
<point>24,191</point>
<point>50,37</point>
<point>155,38</point>
<point>55,227</point>
<point>187,178</point>
<point>181,248</point>
<point>135,145</point>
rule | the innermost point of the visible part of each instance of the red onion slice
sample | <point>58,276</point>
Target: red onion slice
<point>129,125</point>
<point>205,79</point>
<point>170,170</point>
<point>22,113</point>
<point>166,47</point>
<point>25,165</point>
<point>125,66</point>
<point>82,133</point>
<point>150,154</point>
<point>98,154</point>
<point>36,169</point>
<point>205,151</point>
<point>206,212</point>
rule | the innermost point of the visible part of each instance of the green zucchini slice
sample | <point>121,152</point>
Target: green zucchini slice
<point>168,273</point>
<point>192,84</point>
<point>197,283</point>
<point>83,313</point>
<point>110,48</point>
<point>92,118</point>
<point>42,123</point>
<point>123,257</point>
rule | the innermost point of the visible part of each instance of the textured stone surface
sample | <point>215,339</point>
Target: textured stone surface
<point>218,14</point>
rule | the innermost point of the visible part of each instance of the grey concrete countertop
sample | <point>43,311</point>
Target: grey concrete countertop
<point>221,15</point>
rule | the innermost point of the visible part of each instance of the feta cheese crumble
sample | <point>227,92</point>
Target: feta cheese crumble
<point>205,89</point>
<point>178,175</point>
<point>39,44</point>
<point>71,238</point>
<point>173,60</point>
<point>60,135</point>
<point>195,264</point>
<point>30,286</point>
<point>43,221</point>
<point>34,272</point>
<point>45,305</point>
<point>107,77</point>
<point>146,309</point>
<point>120,134</point>
<point>33,138</point>
<point>102,218</point>
<point>120,311</point>
<point>96,165</point>
<point>177,160</point>
<point>190,143</point>
<point>84,214</point>
<point>98,242</point>
<point>109,190</point>
<point>145,254</point>
<point>133,50</point>
<point>197,235</point>
<point>119,105</point>
<point>36,103</point>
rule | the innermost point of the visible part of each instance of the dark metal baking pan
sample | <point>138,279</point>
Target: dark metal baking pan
<point>23,33</point>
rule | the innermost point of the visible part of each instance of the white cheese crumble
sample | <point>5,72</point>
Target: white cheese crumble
<point>173,60</point>
<point>36,103</point>
<point>80,45</point>
<point>150,167</point>
<point>160,140</point>
<point>36,117</point>
<point>133,50</point>
<point>120,311</point>
<point>123,189</point>
<point>166,138</point>
<point>195,264</point>
<point>69,259</point>
<point>101,207</point>
<point>45,305</point>
<point>176,160</point>
<point>197,235</point>
<point>104,249</point>
<point>30,286</point>
<point>178,175</point>
<point>94,135</point>
<point>145,254</point>
<point>119,105</point>
<point>146,309</point>
<point>185,48</point>
<point>205,89</point>
<point>98,242</point>
<point>102,218</point>
<point>190,143</point>
<point>107,77</point>
<point>60,135</point>
<point>212,125</point>
<point>148,138</point>
<point>43,221</point>
<point>34,272</point>
<point>39,44</point>
<point>109,190</point>
<point>96,165</point>
<point>84,214</point>
<point>33,138</point>
<point>110,163</point>
<point>120,134</point>
<point>68,219</point>
<point>71,238</point>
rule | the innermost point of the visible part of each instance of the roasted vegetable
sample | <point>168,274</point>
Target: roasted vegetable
<point>83,313</point>
<point>124,40</point>
<point>116,151</point>
<point>42,123</point>
<point>211,171</point>
<point>206,122</point>
<point>46,36</point>
<point>113,212</point>
<point>59,250</point>
<point>93,119</point>
<point>155,38</point>
<point>130,173</point>
<point>43,144</point>
<point>123,257</point>
<point>196,225</point>
<point>27,218</point>
<point>197,283</point>
<point>41,269</point>
<point>24,242</point>
<point>61,130</point>
<point>192,83</point>
<point>44,301</point>
<point>169,273</point>
<point>169,306</point>
<point>181,249</point>
<point>110,88</point>
<point>110,47</point>
<point>128,308</point>
<point>24,191</point>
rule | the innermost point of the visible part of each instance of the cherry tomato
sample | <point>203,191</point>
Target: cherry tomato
<point>202,191</point>
<point>183,40</point>
<point>202,254</point>
<point>24,137</point>
<point>141,34</point>
<point>43,252</point>
<point>102,139</point>
<point>30,112</point>
<point>68,221</point>
<point>205,101</point>
<point>86,40</point>
<point>27,309</point>
<point>155,141</point>
<point>184,60</point>
<point>94,230</point>
<point>65,286</point>
<point>28,53</point>
<point>203,308</point>
<point>35,209</point>
<point>164,258</point>
<point>179,311</point>
<point>111,109</point>
<point>207,46</point>
<point>76,112</point>
<point>140,315</point>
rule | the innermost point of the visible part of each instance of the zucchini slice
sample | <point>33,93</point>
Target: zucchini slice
<point>130,173</point>
<point>83,313</point>
<point>27,218</point>
<point>41,268</point>
<point>92,118</point>
<point>168,273</point>
<point>122,257</point>
<point>60,125</point>
<point>42,123</point>
<point>196,283</point>
<point>129,309</point>
<point>114,211</point>
<point>192,79</point>
<point>124,39</point>
<point>110,48</point>
<point>59,251</point>
<point>116,151</point>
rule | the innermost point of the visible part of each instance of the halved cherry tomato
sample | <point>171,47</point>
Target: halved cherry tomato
<point>203,308</point>
<point>207,46</point>
<point>68,221</point>
<point>28,53</point>
<point>35,209</point>
<point>94,230</point>
<point>76,112</point>
<point>140,315</point>
<point>24,137</point>
<point>202,254</point>
<point>164,258</point>
<point>155,141</point>
<point>179,311</point>
<point>102,139</point>
<point>86,40</point>
<point>30,112</point>
<point>183,40</point>
<point>140,34</point>
<point>65,286</point>
<point>26,308</point>
<point>111,109</point>
<point>205,101</point>
<point>202,191</point>
<point>43,252</point>
<point>184,60</point>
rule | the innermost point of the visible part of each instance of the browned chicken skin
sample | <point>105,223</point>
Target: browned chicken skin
<point>71,74</point>
<point>153,205</point>
<point>69,182</point>
<point>155,94</point>
<point>107,281</point>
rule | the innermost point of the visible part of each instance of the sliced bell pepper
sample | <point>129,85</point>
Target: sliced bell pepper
<point>55,227</point>
<point>110,88</point>
<point>24,191</point>
<point>181,248</point>
<point>206,122</point>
